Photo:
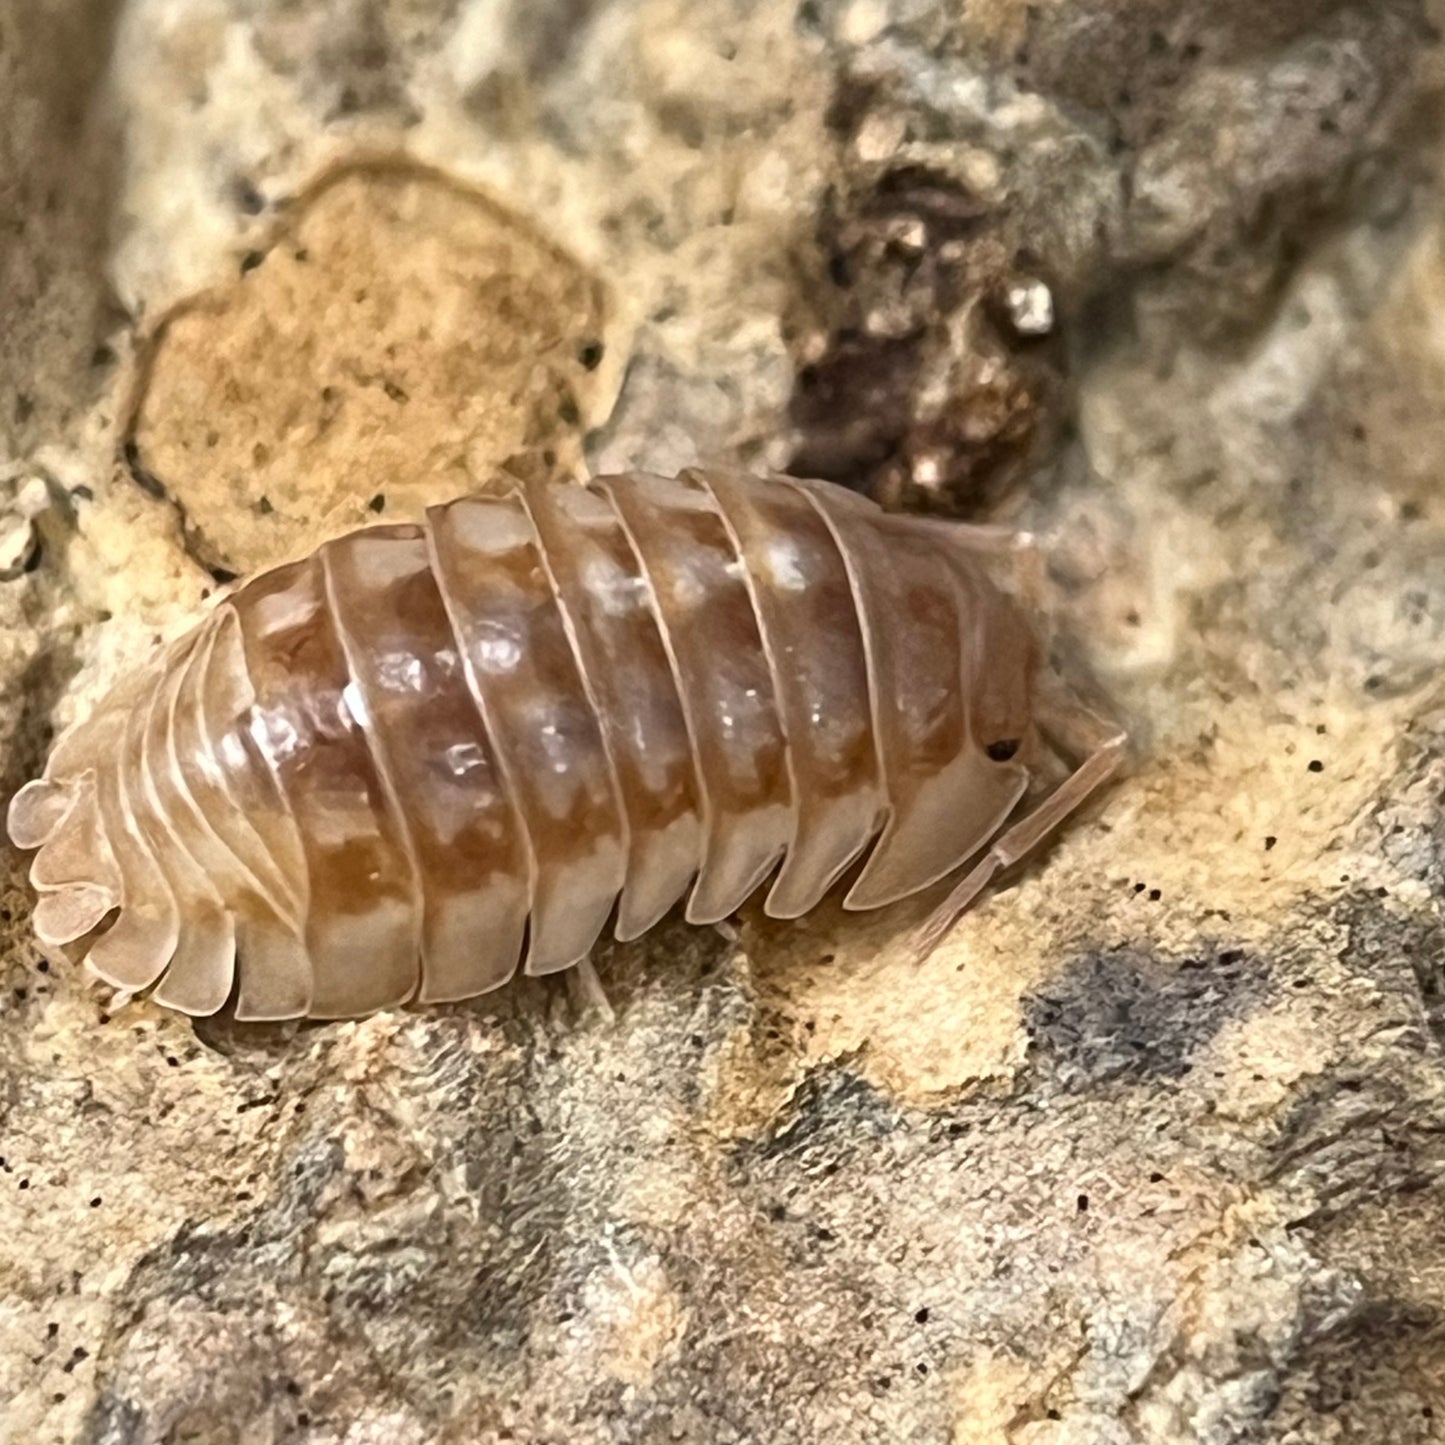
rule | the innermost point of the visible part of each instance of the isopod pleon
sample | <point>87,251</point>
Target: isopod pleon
<point>426,756</point>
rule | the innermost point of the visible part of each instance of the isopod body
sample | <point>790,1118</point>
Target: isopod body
<point>428,755</point>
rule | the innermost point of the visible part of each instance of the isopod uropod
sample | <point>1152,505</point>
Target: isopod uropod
<point>428,754</point>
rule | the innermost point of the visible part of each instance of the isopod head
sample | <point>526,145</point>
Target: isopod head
<point>1005,678</point>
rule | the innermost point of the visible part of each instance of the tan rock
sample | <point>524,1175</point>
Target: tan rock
<point>1150,1151</point>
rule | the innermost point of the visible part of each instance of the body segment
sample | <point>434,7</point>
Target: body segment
<point>428,755</point>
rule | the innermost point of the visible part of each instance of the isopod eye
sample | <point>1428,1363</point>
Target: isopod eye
<point>1002,751</point>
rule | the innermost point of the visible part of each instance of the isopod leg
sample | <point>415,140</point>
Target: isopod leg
<point>1079,734</point>
<point>586,991</point>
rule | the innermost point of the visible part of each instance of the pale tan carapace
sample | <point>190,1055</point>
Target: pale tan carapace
<point>428,755</point>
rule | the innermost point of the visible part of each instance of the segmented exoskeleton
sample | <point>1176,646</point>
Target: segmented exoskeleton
<point>426,755</point>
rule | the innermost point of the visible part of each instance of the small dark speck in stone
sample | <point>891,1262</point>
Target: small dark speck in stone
<point>251,260</point>
<point>1316,766</point>
<point>1269,842</point>
<point>590,354</point>
<point>1083,1204</point>
<point>1156,1177</point>
<point>377,503</point>
<point>96,1202</point>
<point>1140,887</point>
<point>921,1316</point>
<point>248,199</point>
<point>1155,895</point>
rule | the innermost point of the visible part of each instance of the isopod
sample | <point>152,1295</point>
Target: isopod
<point>428,755</point>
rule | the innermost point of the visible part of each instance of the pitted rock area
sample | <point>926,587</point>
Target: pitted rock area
<point>1152,1151</point>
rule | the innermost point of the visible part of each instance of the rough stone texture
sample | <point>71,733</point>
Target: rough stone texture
<point>1152,1151</point>
<point>387,289</point>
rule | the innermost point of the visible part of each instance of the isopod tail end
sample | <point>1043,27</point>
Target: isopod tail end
<point>70,913</point>
<point>72,870</point>
<point>37,810</point>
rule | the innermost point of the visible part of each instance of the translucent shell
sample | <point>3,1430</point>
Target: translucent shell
<point>429,755</point>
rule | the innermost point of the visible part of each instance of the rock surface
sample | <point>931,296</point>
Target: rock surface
<point>1154,1149</point>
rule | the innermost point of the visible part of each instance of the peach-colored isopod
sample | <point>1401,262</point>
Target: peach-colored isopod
<point>427,755</point>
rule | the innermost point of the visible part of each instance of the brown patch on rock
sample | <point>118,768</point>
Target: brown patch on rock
<point>401,337</point>
<point>924,388</point>
<point>846,987</point>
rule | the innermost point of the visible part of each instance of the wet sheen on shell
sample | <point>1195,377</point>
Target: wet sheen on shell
<point>428,755</point>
